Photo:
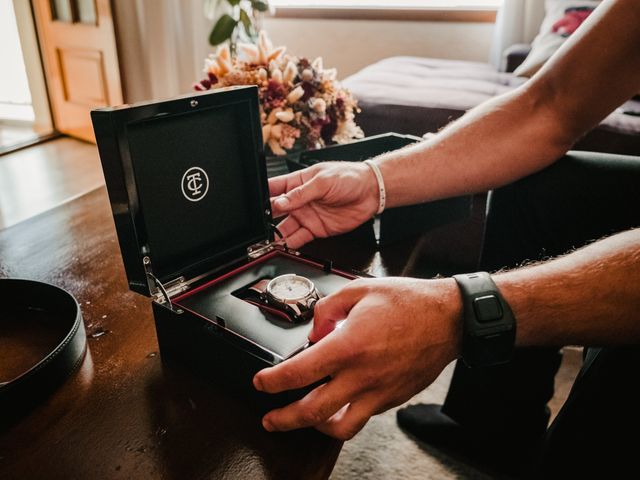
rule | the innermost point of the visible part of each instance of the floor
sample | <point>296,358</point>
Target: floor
<point>17,136</point>
<point>39,178</point>
<point>381,450</point>
<point>42,177</point>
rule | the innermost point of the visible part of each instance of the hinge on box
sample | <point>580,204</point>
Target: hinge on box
<point>259,249</point>
<point>176,286</point>
<point>160,292</point>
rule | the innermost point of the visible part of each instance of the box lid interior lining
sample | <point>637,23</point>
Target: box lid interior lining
<point>218,143</point>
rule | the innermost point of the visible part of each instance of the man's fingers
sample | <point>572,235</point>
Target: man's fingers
<point>288,226</point>
<point>297,197</point>
<point>300,237</point>
<point>284,183</point>
<point>349,420</point>
<point>309,366</point>
<point>294,234</point>
<point>333,308</point>
<point>314,409</point>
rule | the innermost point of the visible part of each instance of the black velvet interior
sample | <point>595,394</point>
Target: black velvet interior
<point>182,232</point>
<point>268,331</point>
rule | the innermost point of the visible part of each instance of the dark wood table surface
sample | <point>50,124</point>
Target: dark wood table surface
<point>124,414</point>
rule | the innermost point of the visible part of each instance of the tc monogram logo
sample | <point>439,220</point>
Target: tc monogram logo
<point>195,184</point>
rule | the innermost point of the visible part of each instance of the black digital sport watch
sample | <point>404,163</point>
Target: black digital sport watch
<point>488,324</point>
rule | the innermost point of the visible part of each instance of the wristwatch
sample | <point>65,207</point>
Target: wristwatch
<point>291,294</point>
<point>488,326</point>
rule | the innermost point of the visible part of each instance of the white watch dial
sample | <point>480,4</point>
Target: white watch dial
<point>290,288</point>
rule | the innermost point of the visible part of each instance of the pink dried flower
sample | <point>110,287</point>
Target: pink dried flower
<point>329,129</point>
<point>199,87</point>
<point>275,91</point>
<point>289,136</point>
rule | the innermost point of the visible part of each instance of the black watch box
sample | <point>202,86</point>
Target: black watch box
<point>188,188</point>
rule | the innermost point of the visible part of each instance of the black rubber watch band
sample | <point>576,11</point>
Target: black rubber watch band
<point>489,327</point>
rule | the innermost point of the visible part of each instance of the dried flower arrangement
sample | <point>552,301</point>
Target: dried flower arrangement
<point>303,106</point>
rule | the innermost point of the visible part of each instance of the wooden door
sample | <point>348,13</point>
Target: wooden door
<point>78,44</point>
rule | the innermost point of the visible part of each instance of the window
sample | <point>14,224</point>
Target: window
<point>412,10</point>
<point>391,4</point>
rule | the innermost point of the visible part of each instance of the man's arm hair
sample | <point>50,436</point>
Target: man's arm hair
<point>588,297</point>
<point>525,130</point>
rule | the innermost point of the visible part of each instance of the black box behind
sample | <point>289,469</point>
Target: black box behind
<point>395,223</point>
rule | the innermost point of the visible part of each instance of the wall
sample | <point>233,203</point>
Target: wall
<point>162,44</point>
<point>349,45</point>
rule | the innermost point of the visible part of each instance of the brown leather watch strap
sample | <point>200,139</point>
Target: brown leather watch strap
<point>261,286</point>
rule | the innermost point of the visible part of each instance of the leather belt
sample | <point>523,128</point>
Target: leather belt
<point>22,300</point>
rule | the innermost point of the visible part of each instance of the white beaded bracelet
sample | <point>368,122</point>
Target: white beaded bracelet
<point>381,190</point>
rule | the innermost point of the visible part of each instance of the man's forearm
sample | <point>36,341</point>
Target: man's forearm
<point>525,130</point>
<point>496,143</point>
<point>588,297</point>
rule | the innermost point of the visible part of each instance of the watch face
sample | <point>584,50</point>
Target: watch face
<point>290,288</point>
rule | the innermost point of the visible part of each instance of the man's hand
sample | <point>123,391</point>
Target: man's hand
<point>398,335</point>
<point>323,200</point>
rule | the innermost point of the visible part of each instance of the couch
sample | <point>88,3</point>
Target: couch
<point>414,95</point>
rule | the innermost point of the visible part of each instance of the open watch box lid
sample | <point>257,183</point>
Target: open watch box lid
<point>187,183</point>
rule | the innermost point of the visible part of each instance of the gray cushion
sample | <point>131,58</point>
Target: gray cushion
<point>416,95</point>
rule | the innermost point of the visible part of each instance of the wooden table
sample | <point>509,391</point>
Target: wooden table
<point>124,414</point>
